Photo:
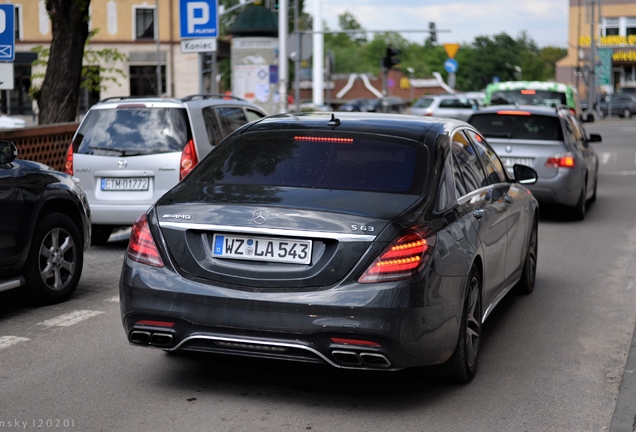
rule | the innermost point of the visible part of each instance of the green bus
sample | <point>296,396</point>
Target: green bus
<point>544,93</point>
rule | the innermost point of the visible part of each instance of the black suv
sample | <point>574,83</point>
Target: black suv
<point>45,228</point>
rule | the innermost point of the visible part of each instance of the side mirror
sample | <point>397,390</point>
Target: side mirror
<point>595,138</point>
<point>524,174</point>
<point>8,152</point>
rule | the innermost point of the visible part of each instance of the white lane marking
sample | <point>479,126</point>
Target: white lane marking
<point>70,318</point>
<point>606,157</point>
<point>114,299</point>
<point>7,341</point>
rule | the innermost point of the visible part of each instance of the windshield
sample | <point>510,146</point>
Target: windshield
<point>133,131</point>
<point>528,97</point>
<point>358,162</point>
<point>525,126</point>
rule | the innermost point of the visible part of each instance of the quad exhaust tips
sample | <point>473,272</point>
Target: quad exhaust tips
<point>355,359</point>
<point>139,337</point>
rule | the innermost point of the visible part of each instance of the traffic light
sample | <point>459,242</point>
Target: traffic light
<point>389,60</point>
<point>432,31</point>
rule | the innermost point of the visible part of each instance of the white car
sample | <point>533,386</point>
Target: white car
<point>8,122</point>
<point>447,106</point>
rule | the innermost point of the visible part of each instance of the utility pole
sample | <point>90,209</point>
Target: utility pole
<point>591,88</point>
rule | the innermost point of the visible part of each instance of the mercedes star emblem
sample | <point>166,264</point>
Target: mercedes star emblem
<point>260,216</point>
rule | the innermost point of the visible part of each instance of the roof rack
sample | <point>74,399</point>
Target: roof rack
<point>211,96</point>
<point>118,98</point>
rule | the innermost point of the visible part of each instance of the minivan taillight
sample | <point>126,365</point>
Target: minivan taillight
<point>188,159</point>
<point>142,247</point>
<point>68,162</point>
<point>560,160</point>
<point>403,258</point>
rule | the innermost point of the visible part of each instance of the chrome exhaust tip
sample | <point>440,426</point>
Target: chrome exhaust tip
<point>161,339</point>
<point>375,360</point>
<point>139,337</point>
<point>346,358</point>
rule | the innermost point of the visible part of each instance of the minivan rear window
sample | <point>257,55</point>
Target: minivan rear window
<point>528,97</point>
<point>347,162</point>
<point>133,131</point>
<point>515,126</point>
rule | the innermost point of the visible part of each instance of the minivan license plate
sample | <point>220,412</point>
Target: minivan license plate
<point>262,249</point>
<point>125,184</point>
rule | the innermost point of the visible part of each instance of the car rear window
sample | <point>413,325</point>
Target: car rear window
<point>133,131</point>
<point>528,97</point>
<point>361,163</point>
<point>423,103</point>
<point>518,126</point>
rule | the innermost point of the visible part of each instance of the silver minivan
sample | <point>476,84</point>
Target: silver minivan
<point>446,106</point>
<point>129,151</point>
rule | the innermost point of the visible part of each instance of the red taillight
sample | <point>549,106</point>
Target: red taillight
<point>156,323</point>
<point>188,160</point>
<point>529,92</point>
<point>68,162</point>
<point>513,112</point>
<point>324,139</point>
<point>354,342</point>
<point>560,160</point>
<point>403,258</point>
<point>572,111</point>
<point>142,247</point>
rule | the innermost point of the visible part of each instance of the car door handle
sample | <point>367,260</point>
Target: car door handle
<point>478,214</point>
<point>508,200</point>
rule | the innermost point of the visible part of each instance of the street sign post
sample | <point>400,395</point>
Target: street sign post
<point>450,65</point>
<point>451,49</point>
<point>7,32</point>
<point>199,18</point>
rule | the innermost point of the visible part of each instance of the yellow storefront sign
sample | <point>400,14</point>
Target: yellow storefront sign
<point>613,40</point>
<point>624,56</point>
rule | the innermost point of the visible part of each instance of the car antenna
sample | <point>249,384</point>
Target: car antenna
<point>334,121</point>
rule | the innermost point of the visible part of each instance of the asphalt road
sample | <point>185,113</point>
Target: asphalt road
<point>551,361</point>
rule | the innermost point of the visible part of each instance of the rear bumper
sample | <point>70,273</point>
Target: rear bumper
<point>399,324</point>
<point>117,214</point>
<point>564,188</point>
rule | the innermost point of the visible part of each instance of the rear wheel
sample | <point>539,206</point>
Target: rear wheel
<point>578,211</point>
<point>55,261</point>
<point>627,113</point>
<point>593,198</point>
<point>526,283</point>
<point>462,365</point>
<point>100,234</point>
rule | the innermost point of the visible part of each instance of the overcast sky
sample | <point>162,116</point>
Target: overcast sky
<point>546,21</point>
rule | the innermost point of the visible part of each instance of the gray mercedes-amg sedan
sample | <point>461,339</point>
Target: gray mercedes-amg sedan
<point>358,240</point>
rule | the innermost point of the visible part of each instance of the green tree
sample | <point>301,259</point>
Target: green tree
<point>59,95</point>
<point>94,75</point>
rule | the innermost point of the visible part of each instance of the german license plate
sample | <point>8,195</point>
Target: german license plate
<point>509,162</point>
<point>125,184</point>
<point>262,249</point>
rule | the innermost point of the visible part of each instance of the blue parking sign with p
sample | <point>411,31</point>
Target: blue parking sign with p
<point>199,18</point>
<point>7,32</point>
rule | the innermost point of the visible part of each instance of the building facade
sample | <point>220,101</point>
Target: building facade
<point>613,26</point>
<point>148,39</point>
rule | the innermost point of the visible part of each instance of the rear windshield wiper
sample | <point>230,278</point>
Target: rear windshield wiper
<point>122,152</point>
<point>498,134</point>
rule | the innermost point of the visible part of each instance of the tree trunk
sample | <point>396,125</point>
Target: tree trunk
<point>60,89</point>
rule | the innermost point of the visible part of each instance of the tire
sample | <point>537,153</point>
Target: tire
<point>593,197</point>
<point>526,283</point>
<point>55,261</point>
<point>578,211</point>
<point>100,234</point>
<point>626,113</point>
<point>462,365</point>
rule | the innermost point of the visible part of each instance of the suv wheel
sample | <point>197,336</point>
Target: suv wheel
<point>55,261</point>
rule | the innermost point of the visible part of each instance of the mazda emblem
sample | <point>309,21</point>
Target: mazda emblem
<point>122,163</point>
<point>260,217</point>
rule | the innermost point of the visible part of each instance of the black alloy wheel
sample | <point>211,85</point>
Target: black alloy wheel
<point>55,261</point>
<point>528,276</point>
<point>462,365</point>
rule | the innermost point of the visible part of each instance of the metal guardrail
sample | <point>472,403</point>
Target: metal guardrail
<point>46,144</point>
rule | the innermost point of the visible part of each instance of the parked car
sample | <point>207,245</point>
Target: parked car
<point>354,105</point>
<point>129,151</point>
<point>44,228</point>
<point>446,106</point>
<point>553,142</point>
<point>8,122</point>
<point>385,105</point>
<point>622,105</point>
<point>362,241</point>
